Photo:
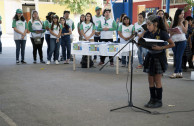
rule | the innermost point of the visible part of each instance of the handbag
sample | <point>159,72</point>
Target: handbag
<point>37,40</point>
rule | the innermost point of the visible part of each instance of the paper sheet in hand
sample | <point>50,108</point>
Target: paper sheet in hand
<point>152,40</point>
<point>175,30</point>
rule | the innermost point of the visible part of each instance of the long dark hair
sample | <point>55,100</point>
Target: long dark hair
<point>65,24</point>
<point>91,20</point>
<point>126,18</point>
<point>121,17</point>
<point>176,17</point>
<point>159,20</point>
<point>52,26</point>
<point>16,17</point>
<point>167,16</point>
<point>143,13</point>
<point>80,18</point>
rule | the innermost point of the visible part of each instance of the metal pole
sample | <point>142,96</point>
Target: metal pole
<point>168,6</point>
<point>130,2</point>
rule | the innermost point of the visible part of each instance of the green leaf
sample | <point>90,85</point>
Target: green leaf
<point>76,6</point>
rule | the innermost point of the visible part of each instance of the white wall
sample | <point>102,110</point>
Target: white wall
<point>10,9</point>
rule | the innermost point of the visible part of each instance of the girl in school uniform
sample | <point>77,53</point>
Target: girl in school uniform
<point>65,40</point>
<point>82,19</point>
<point>125,33</point>
<point>55,34</point>
<point>155,63</point>
<point>88,28</point>
<point>36,27</point>
<point>20,29</point>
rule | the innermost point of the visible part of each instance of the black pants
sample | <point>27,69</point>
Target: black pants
<point>186,59</point>
<point>96,39</point>
<point>37,47</point>
<point>102,58</point>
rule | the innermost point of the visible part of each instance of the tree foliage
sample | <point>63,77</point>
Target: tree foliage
<point>76,6</point>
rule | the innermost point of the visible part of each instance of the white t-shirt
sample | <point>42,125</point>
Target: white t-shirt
<point>46,24</point>
<point>85,27</point>
<point>36,25</point>
<point>138,28</point>
<point>110,23</point>
<point>96,21</point>
<point>179,37</point>
<point>21,26</point>
<point>56,30</point>
<point>126,32</point>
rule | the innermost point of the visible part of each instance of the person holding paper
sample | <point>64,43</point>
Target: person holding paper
<point>106,26</point>
<point>155,63</point>
<point>125,33</point>
<point>19,25</point>
<point>36,27</point>
<point>180,42</point>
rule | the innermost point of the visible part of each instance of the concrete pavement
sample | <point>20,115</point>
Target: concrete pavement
<point>55,95</point>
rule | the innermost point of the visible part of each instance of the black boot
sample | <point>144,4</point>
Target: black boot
<point>158,101</point>
<point>152,98</point>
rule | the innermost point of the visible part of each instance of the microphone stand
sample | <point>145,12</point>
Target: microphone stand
<point>130,102</point>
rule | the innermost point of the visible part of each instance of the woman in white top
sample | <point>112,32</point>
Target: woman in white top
<point>82,19</point>
<point>36,27</point>
<point>125,33</point>
<point>180,41</point>
<point>88,28</point>
<point>119,23</point>
<point>55,34</point>
<point>20,29</point>
<point>137,28</point>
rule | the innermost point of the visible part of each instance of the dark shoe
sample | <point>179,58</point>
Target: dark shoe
<point>157,104</point>
<point>34,62</point>
<point>101,63</point>
<point>112,64</point>
<point>150,103</point>
<point>23,62</point>
<point>42,61</point>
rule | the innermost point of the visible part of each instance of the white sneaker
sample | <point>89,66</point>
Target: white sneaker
<point>56,62</point>
<point>173,76</point>
<point>179,75</point>
<point>48,62</point>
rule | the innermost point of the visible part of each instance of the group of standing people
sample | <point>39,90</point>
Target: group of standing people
<point>56,32</point>
<point>100,28</point>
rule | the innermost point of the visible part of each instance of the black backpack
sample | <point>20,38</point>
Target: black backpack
<point>84,62</point>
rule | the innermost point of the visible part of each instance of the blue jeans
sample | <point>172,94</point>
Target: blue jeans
<point>54,48</point>
<point>0,42</point>
<point>20,44</point>
<point>47,37</point>
<point>142,52</point>
<point>124,61</point>
<point>178,54</point>
<point>66,47</point>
